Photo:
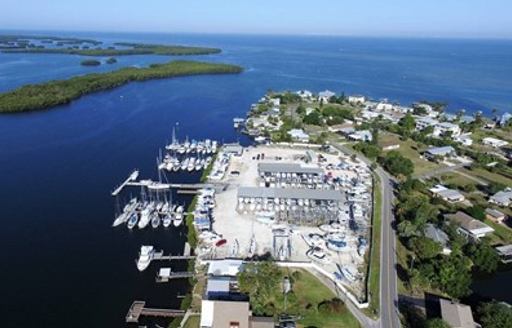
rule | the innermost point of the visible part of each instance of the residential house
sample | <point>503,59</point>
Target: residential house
<point>435,153</point>
<point>457,315</point>
<point>505,253</point>
<point>495,215</point>
<point>384,106</point>
<point>305,94</point>
<point>468,226</point>
<point>502,198</point>
<point>444,128</point>
<point>503,119</point>
<point>439,236</point>
<point>356,99</point>
<point>464,139</point>
<point>448,195</point>
<point>299,135</point>
<point>361,135</point>
<point>494,142</point>
<point>325,96</point>
<point>424,122</point>
<point>230,314</point>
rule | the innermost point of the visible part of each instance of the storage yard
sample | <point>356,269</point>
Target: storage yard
<point>297,205</point>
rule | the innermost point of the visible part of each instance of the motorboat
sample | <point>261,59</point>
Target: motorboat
<point>132,221</point>
<point>145,256</point>
<point>167,220</point>
<point>178,219</point>
<point>317,254</point>
<point>348,273</point>
<point>155,220</point>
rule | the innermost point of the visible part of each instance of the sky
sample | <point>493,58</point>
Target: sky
<point>407,18</point>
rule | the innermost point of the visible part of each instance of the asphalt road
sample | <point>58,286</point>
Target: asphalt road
<point>388,312</point>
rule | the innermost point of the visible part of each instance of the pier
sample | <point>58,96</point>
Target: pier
<point>160,256</point>
<point>139,309</point>
<point>132,177</point>
<point>166,274</point>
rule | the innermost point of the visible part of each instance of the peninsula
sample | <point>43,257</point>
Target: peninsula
<point>73,46</point>
<point>59,92</point>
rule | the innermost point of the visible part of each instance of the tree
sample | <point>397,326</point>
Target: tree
<point>453,276</point>
<point>477,212</point>
<point>436,323</point>
<point>407,123</point>
<point>397,164</point>
<point>313,118</point>
<point>484,257</point>
<point>425,248</point>
<point>495,315</point>
<point>259,280</point>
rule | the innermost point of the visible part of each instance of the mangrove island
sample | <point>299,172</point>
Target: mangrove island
<point>90,62</point>
<point>59,92</point>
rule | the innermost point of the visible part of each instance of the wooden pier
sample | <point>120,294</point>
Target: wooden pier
<point>138,309</point>
<point>160,256</point>
<point>174,275</point>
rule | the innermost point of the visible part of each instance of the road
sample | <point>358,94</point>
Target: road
<point>388,312</point>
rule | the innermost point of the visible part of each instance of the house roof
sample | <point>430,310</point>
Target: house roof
<point>218,284</point>
<point>494,213</point>
<point>505,250</point>
<point>289,193</point>
<point>436,234</point>
<point>456,315</point>
<point>467,222</point>
<point>440,150</point>
<point>262,322</point>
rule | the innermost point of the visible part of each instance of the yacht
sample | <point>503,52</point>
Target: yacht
<point>132,221</point>
<point>145,257</point>
<point>184,164</point>
<point>191,164</point>
<point>145,215</point>
<point>318,255</point>
<point>155,220</point>
<point>167,220</point>
<point>178,219</point>
<point>348,273</point>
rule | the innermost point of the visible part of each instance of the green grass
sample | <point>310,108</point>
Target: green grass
<point>489,176</point>
<point>503,234</point>
<point>374,265</point>
<point>59,92</point>
<point>192,322</point>
<point>309,290</point>
<point>410,149</point>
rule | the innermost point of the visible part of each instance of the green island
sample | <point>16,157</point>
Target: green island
<point>90,62</point>
<point>53,93</point>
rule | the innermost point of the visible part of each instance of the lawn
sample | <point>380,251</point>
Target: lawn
<point>410,149</point>
<point>374,275</point>
<point>502,234</point>
<point>489,176</point>
<point>307,293</point>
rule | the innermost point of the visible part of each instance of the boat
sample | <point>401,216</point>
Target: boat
<point>167,220</point>
<point>178,219</point>
<point>253,247</point>
<point>348,273</point>
<point>184,164</point>
<point>145,215</point>
<point>155,220</point>
<point>145,257</point>
<point>132,221</point>
<point>199,165</point>
<point>191,164</point>
<point>318,255</point>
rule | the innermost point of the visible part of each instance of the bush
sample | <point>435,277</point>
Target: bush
<point>334,306</point>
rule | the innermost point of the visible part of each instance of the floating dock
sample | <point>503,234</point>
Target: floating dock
<point>166,274</point>
<point>133,176</point>
<point>138,309</point>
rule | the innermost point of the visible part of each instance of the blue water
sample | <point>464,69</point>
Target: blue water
<point>62,263</point>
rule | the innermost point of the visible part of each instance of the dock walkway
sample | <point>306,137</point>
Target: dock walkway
<point>138,309</point>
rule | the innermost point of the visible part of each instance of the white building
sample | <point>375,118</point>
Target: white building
<point>493,142</point>
<point>305,94</point>
<point>448,195</point>
<point>275,102</point>
<point>362,135</point>
<point>325,96</point>
<point>299,135</point>
<point>469,226</point>
<point>356,99</point>
<point>464,139</point>
<point>384,106</point>
<point>424,122</point>
<point>443,128</point>
<point>502,198</point>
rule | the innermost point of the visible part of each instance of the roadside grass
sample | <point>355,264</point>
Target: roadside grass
<point>374,265</point>
<point>192,322</point>
<point>503,234</point>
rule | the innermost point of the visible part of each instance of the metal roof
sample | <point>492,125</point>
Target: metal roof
<point>289,193</point>
<point>288,168</point>
<point>440,150</point>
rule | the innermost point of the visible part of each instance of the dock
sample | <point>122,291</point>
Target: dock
<point>166,274</point>
<point>133,176</point>
<point>138,309</point>
<point>160,256</point>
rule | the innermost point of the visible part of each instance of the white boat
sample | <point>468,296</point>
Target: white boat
<point>155,220</point>
<point>191,164</point>
<point>199,165</point>
<point>120,219</point>
<point>184,164</point>
<point>145,216</point>
<point>132,221</point>
<point>178,219</point>
<point>348,273</point>
<point>145,257</point>
<point>167,220</point>
<point>318,255</point>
